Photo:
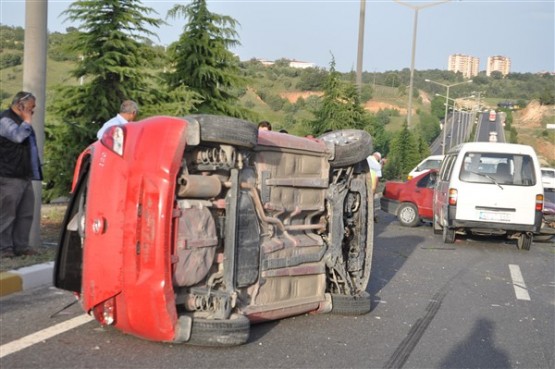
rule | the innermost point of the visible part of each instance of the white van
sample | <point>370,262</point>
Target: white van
<point>490,190</point>
<point>431,162</point>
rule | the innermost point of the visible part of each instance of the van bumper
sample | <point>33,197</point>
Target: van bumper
<point>452,222</point>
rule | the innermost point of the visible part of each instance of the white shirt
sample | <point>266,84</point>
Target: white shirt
<point>374,165</point>
<point>118,120</point>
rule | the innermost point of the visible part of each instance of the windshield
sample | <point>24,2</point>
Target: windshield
<point>498,168</point>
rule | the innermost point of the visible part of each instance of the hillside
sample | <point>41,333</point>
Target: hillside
<point>530,125</point>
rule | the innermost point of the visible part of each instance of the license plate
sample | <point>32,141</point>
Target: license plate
<point>497,217</point>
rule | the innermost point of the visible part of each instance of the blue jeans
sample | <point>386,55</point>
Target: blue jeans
<point>17,207</point>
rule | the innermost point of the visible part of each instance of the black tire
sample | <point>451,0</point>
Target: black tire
<point>351,305</point>
<point>226,130</point>
<point>351,146</point>
<point>408,215</point>
<point>524,241</point>
<point>448,235</point>
<point>212,332</point>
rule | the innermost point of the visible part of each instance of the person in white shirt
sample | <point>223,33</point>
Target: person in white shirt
<point>127,112</point>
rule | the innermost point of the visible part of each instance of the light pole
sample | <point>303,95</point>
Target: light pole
<point>459,111</point>
<point>411,85</point>
<point>446,106</point>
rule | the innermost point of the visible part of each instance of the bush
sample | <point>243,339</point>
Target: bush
<point>10,60</point>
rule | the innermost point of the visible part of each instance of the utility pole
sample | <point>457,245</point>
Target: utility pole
<point>360,44</point>
<point>416,9</point>
<point>34,81</point>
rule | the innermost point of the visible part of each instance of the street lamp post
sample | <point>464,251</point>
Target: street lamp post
<point>415,26</point>
<point>446,106</point>
<point>459,111</point>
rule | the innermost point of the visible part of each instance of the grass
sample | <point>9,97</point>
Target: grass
<point>50,227</point>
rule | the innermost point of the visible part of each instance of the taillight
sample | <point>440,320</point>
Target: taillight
<point>453,194</point>
<point>105,312</point>
<point>539,202</point>
<point>114,138</point>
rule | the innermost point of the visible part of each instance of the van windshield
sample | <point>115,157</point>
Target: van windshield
<point>498,168</point>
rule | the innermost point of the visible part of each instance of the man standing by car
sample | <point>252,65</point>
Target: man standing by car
<point>127,112</point>
<point>19,165</point>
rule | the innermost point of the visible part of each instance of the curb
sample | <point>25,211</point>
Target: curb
<point>25,278</point>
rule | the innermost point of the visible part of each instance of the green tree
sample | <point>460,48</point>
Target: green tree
<point>202,61</point>
<point>341,107</point>
<point>113,66</point>
<point>403,154</point>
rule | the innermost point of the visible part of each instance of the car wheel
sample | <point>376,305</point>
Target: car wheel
<point>215,332</point>
<point>225,130</point>
<point>448,235</point>
<point>408,215</point>
<point>524,241</point>
<point>351,146</point>
<point>351,305</point>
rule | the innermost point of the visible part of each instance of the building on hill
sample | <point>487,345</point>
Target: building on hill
<point>468,65</point>
<point>498,64</point>
<point>292,63</point>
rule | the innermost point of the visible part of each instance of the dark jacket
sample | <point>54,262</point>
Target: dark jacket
<point>15,158</point>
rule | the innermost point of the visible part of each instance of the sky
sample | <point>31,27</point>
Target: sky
<point>317,31</point>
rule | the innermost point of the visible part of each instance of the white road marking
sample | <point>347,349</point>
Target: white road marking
<point>30,340</point>
<point>521,291</point>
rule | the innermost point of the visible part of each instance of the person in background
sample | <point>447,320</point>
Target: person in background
<point>374,163</point>
<point>19,165</point>
<point>127,112</point>
<point>264,126</point>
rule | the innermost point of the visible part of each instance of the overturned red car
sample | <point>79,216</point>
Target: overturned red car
<point>190,229</point>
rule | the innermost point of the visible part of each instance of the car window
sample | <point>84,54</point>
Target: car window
<point>548,173</point>
<point>430,164</point>
<point>427,181</point>
<point>498,168</point>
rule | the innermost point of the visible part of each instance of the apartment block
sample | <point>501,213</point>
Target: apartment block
<point>498,64</point>
<point>468,65</point>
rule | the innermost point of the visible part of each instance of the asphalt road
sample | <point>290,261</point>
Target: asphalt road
<point>434,306</point>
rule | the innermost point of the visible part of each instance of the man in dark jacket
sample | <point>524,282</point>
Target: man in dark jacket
<point>19,165</point>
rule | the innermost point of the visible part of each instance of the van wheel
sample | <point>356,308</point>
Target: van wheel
<point>408,215</point>
<point>524,241</point>
<point>351,146</point>
<point>448,235</point>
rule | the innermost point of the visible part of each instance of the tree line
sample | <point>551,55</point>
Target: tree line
<point>198,74</point>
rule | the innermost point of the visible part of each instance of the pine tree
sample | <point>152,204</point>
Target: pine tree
<point>112,65</point>
<point>202,61</point>
<point>341,107</point>
<point>403,154</point>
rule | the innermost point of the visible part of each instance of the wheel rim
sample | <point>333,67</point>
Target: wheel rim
<point>407,215</point>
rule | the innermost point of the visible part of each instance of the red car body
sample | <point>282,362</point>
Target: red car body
<point>185,229</point>
<point>410,201</point>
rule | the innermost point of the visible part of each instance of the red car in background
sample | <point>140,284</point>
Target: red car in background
<point>189,229</point>
<point>410,201</point>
